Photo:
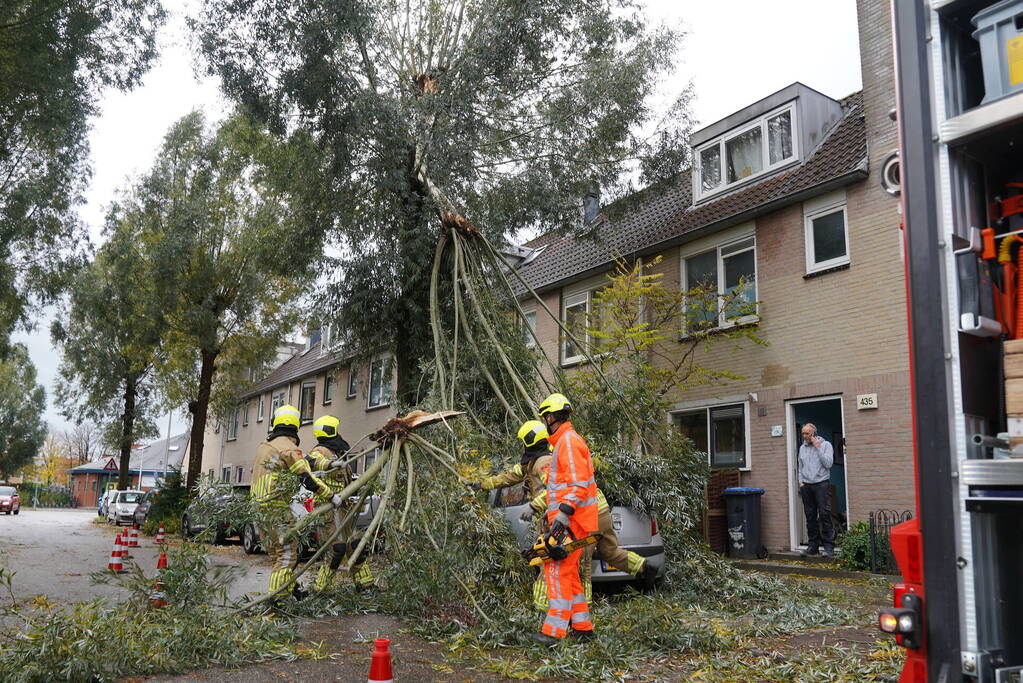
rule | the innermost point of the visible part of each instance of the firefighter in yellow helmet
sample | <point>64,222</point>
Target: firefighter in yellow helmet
<point>325,457</point>
<point>280,453</point>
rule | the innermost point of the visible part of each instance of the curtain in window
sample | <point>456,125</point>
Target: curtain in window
<point>745,155</point>
<point>779,137</point>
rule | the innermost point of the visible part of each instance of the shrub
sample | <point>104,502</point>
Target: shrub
<point>855,545</point>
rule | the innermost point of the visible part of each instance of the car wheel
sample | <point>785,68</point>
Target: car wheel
<point>186,529</point>
<point>250,544</point>
<point>17,511</point>
<point>7,512</point>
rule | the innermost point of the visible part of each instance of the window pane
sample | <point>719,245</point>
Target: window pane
<point>710,168</point>
<point>694,426</point>
<point>740,268</point>
<point>308,397</point>
<point>575,320</point>
<point>779,137</point>
<point>728,430</point>
<point>745,155</point>
<point>353,380</point>
<point>530,324</point>
<point>829,236</point>
<point>376,375</point>
<point>702,289</point>
<point>328,388</point>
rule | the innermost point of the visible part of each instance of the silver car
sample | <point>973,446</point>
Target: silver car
<point>635,531</point>
<point>121,508</point>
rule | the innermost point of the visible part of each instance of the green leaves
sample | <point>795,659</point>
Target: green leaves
<point>22,402</point>
<point>55,59</point>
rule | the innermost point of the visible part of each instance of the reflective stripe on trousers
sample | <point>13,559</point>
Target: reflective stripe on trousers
<point>567,602</point>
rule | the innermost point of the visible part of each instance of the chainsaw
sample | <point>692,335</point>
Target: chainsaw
<point>548,548</point>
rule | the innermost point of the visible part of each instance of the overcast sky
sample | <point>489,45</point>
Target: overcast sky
<point>735,52</point>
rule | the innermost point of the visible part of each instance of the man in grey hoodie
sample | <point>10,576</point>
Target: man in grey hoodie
<point>815,459</point>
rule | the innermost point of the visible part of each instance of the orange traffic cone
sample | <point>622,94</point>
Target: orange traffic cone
<point>115,565</point>
<point>162,562</point>
<point>158,598</point>
<point>124,544</point>
<point>133,538</point>
<point>159,535</point>
<point>380,669</point>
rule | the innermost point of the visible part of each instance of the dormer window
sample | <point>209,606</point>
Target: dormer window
<point>747,152</point>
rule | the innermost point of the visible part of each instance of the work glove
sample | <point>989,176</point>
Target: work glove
<point>559,525</point>
<point>474,486</point>
<point>527,516</point>
<point>336,500</point>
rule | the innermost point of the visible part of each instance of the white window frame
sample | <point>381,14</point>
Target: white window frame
<point>301,402</point>
<point>723,322</point>
<point>245,414</point>
<point>230,473</point>
<point>814,211</point>
<point>232,426</point>
<point>262,408</point>
<point>239,474</point>
<point>766,166</point>
<point>389,379</point>
<point>569,301</point>
<point>706,408</point>
<point>352,390</point>
<point>274,405</point>
<point>328,380</point>
<point>527,311</point>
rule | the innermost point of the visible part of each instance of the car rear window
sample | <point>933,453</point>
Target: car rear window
<point>7,490</point>
<point>129,497</point>
<point>513,495</point>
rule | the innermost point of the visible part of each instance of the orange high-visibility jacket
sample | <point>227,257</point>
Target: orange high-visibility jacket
<point>571,480</point>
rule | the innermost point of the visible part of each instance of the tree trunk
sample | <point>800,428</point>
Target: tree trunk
<point>200,409</point>
<point>127,433</point>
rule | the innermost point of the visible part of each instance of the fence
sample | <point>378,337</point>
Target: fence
<point>882,561</point>
<point>40,495</point>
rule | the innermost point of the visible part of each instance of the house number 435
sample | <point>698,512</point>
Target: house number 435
<point>866,401</point>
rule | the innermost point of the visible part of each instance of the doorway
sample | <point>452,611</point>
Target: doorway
<point>826,414</point>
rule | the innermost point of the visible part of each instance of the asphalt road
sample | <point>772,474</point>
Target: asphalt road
<point>53,552</point>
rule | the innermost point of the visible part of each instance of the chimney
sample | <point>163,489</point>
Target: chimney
<point>591,205</point>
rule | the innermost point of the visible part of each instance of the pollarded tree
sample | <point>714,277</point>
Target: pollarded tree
<point>110,335</point>
<point>507,112</point>
<point>22,402</point>
<point>56,58</point>
<point>232,258</point>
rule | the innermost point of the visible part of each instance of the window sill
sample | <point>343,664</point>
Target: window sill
<point>825,271</point>
<point>328,402</point>
<point>349,398</point>
<point>234,439</point>
<point>306,421</point>
<point>721,329</point>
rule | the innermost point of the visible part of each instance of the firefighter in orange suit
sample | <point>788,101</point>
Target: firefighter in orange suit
<point>571,509</point>
<point>277,454</point>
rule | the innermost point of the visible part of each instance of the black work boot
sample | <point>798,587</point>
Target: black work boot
<point>581,636</point>
<point>299,593</point>
<point>545,639</point>
<point>648,575</point>
<point>809,552</point>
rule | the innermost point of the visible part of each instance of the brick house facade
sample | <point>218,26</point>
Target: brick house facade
<point>835,335</point>
<point>316,380</point>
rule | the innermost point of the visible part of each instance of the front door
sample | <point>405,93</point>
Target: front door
<point>826,415</point>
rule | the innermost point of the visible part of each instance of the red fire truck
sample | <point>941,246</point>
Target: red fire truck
<point>959,67</point>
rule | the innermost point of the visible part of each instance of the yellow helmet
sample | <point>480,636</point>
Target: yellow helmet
<point>325,427</point>
<point>553,404</point>
<point>286,415</point>
<point>532,432</point>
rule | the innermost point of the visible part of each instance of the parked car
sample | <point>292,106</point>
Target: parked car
<point>121,509</point>
<point>636,532</point>
<point>193,520</point>
<point>10,501</point>
<point>104,502</point>
<point>145,504</point>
